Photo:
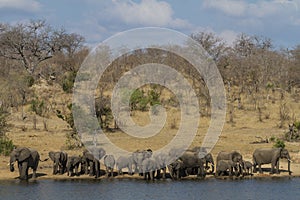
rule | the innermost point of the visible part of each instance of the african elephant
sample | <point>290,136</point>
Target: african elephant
<point>124,162</point>
<point>91,163</point>
<point>270,155</point>
<point>208,158</point>
<point>191,160</point>
<point>224,166</point>
<point>73,163</point>
<point>26,158</point>
<point>162,161</point>
<point>138,157</point>
<point>149,166</point>
<point>109,163</point>
<point>175,169</point>
<point>234,156</point>
<point>247,167</point>
<point>59,161</point>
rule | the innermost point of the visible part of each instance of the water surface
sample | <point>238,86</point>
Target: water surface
<point>267,188</point>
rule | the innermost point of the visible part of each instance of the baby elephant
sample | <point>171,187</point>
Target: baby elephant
<point>59,161</point>
<point>247,167</point>
<point>109,163</point>
<point>224,166</point>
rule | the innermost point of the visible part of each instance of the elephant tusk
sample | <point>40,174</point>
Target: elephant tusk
<point>289,160</point>
<point>10,164</point>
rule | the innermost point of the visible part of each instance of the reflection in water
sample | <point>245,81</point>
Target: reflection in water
<point>279,188</point>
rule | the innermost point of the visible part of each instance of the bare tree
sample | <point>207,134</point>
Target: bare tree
<point>35,42</point>
<point>214,45</point>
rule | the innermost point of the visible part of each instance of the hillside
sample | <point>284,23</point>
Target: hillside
<point>242,128</point>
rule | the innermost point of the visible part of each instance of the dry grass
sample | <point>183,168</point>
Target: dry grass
<point>235,136</point>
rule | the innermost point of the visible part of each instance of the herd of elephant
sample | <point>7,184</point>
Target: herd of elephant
<point>180,163</point>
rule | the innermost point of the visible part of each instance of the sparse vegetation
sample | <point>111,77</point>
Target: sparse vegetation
<point>279,143</point>
<point>6,144</point>
<point>261,84</point>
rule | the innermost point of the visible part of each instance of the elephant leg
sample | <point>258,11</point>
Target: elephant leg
<point>20,169</point>
<point>254,167</point>
<point>272,168</point>
<point>152,175</point>
<point>34,173</point>
<point>164,173</point>
<point>54,171</point>
<point>24,171</point>
<point>107,172</point>
<point>129,170</point>
<point>92,169</point>
<point>277,167</point>
<point>158,175</point>
<point>230,171</point>
<point>76,170</point>
<point>259,168</point>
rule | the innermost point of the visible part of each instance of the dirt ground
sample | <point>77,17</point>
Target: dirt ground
<point>243,134</point>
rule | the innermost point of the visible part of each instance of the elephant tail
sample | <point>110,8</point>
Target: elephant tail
<point>44,160</point>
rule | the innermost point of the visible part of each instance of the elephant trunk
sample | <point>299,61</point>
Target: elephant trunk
<point>212,167</point>
<point>289,166</point>
<point>11,167</point>
<point>11,164</point>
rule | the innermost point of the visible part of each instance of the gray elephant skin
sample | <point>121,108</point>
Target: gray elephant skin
<point>91,161</point>
<point>162,160</point>
<point>124,162</point>
<point>26,158</point>
<point>149,166</point>
<point>207,159</point>
<point>191,160</point>
<point>234,156</point>
<point>138,157</point>
<point>175,169</point>
<point>225,166</point>
<point>73,164</point>
<point>247,168</point>
<point>270,156</point>
<point>59,159</point>
<point>109,163</point>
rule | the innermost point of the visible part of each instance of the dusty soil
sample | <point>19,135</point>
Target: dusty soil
<point>237,135</point>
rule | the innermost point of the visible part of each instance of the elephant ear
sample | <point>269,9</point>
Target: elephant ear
<point>23,154</point>
<point>102,153</point>
<point>51,155</point>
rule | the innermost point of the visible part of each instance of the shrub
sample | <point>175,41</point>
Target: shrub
<point>138,100</point>
<point>68,82</point>
<point>297,125</point>
<point>6,146</point>
<point>29,81</point>
<point>272,139</point>
<point>37,106</point>
<point>154,97</point>
<point>279,143</point>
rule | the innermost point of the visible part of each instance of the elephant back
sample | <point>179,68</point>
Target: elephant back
<point>21,154</point>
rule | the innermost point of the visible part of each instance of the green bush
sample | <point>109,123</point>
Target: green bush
<point>138,100</point>
<point>68,82</point>
<point>37,106</point>
<point>297,125</point>
<point>6,146</point>
<point>29,81</point>
<point>154,97</point>
<point>279,143</point>
<point>272,139</point>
